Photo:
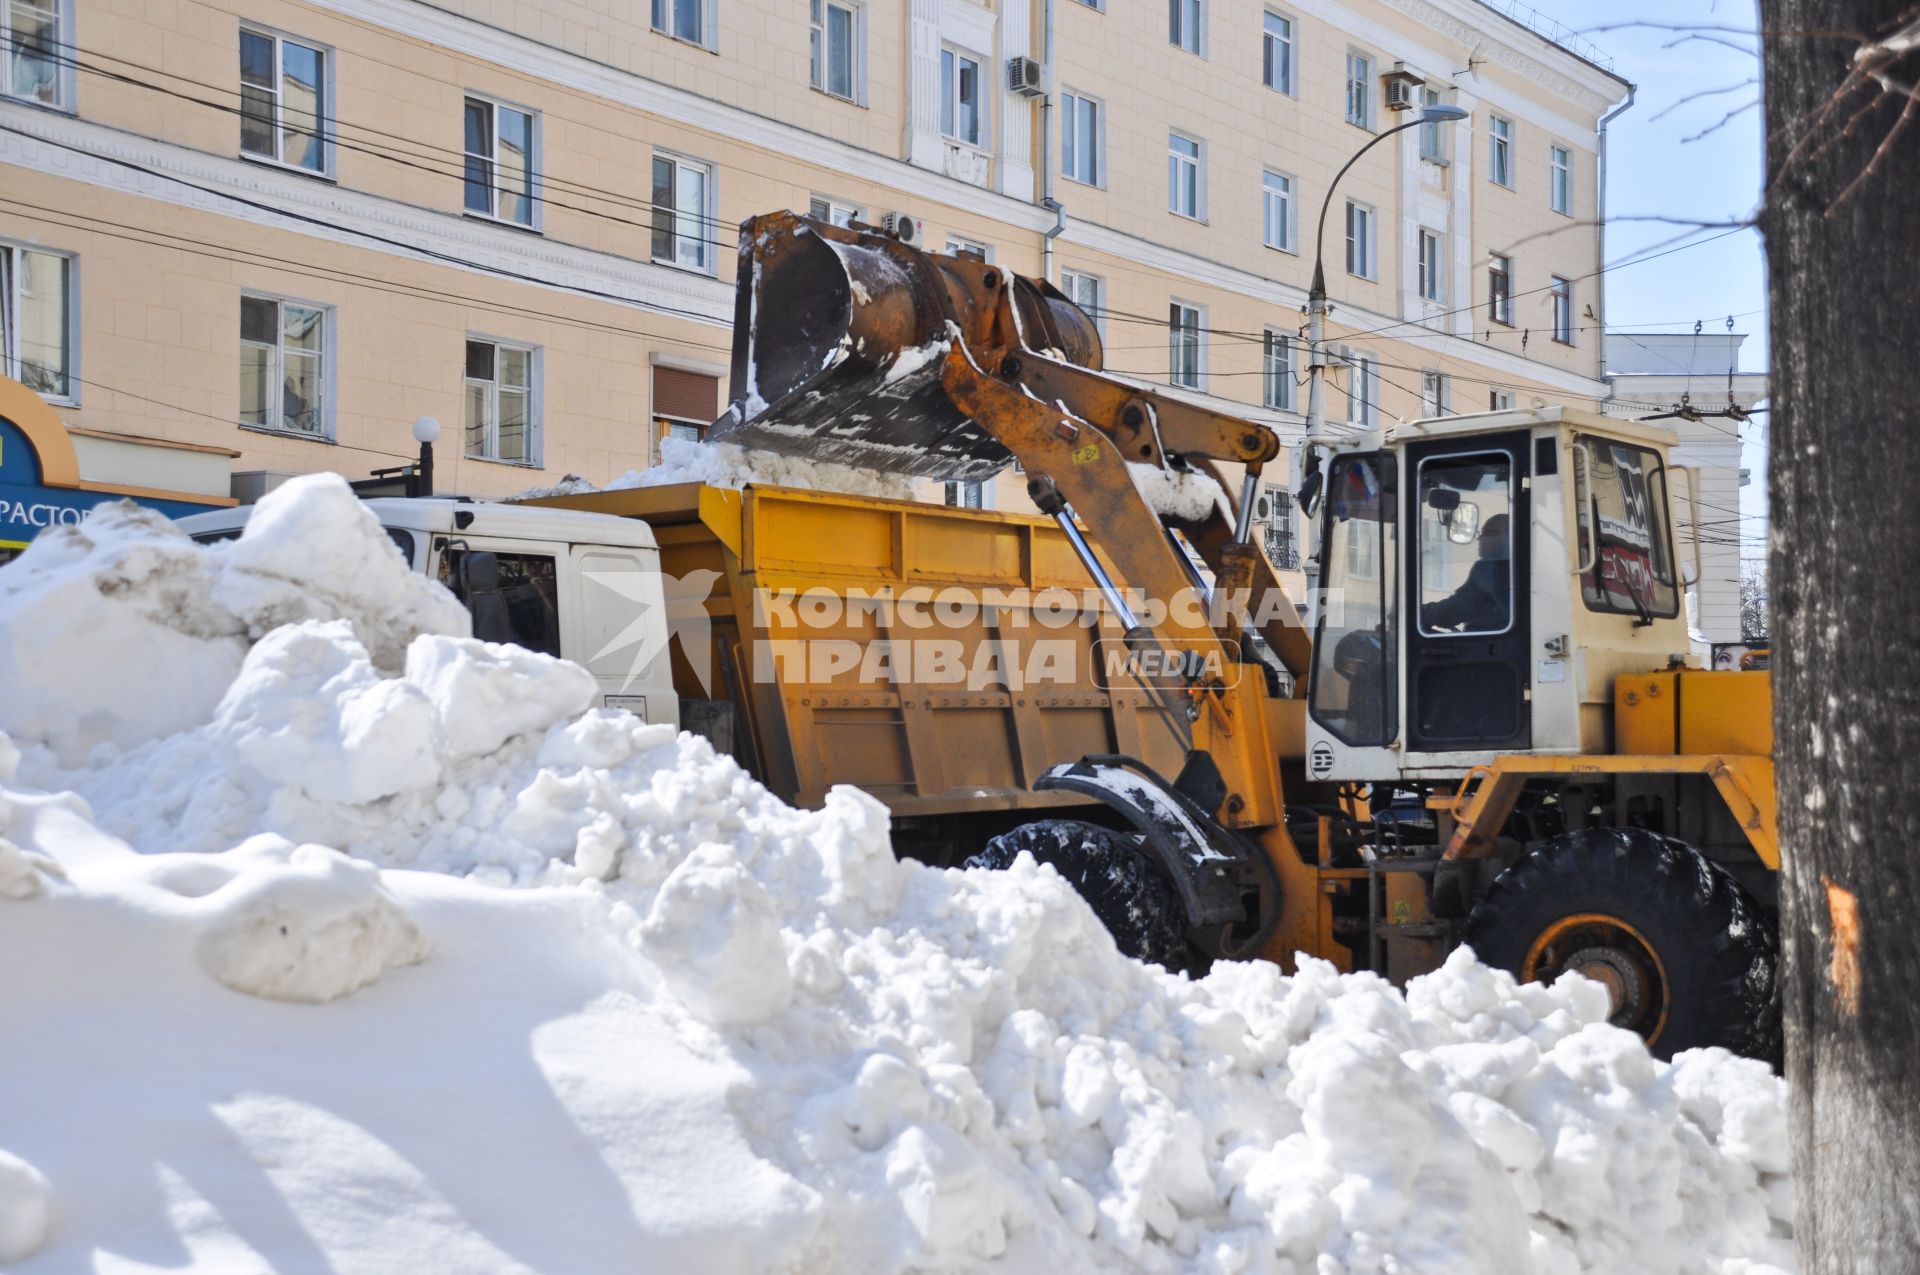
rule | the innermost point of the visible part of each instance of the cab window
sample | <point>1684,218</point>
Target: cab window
<point>514,597</point>
<point>1355,677</point>
<point>1466,544</point>
<point>1621,496</point>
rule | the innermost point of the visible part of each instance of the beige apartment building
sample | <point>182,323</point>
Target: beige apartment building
<point>288,228</point>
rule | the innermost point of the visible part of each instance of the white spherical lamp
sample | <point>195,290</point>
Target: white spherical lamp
<point>426,430</point>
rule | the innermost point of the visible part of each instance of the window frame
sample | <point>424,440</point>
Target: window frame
<point>534,433</point>
<point>960,245</point>
<point>1560,178</point>
<point>1359,88</point>
<point>1099,288</point>
<point>1277,373</point>
<point>494,106</point>
<point>1500,151</point>
<point>324,121</point>
<point>1070,149</point>
<point>10,250</point>
<point>1365,245</point>
<point>1433,133</point>
<point>1176,327</point>
<point>1436,393</point>
<point>1289,221</point>
<point>819,73</point>
<point>1363,369</point>
<point>1500,300</point>
<point>709,263</point>
<point>1432,279</point>
<point>1198,161</point>
<point>1289,43</point>
<point>834,207</point>
<point>1560,296</point>
<point>329,342</point>
<point>708,37</point>
<point>1499,400</point>
<point>1175,15</point>
<point>951,56</point>
<point>1660,507</point>
<point>64,74</point>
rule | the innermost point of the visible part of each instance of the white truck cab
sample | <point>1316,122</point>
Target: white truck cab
<point>583,586</point>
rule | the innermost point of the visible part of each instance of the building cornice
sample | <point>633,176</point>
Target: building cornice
<point>1522,51</point>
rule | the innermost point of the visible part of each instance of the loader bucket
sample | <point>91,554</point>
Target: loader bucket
<point>839,337</point>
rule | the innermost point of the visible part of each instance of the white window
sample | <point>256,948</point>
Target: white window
<point>1088,292</point>
<point>1362,386</point>
<point>284,93</point>
<point>500,161</point>
<point>963,100</point>
<point>1188,349</point>
<point>1186,19</point>
<point>1283,547</point>
<point>682,212</point>
<point>832,210</point>
<point>1277,66</point>
<point>1359,89</point>
<point>966,495</point>
<point>837,46</point>
<point>1500,289</point>
<point>33,50</point>
<point>283,366</point>
<point>1081,141</point>
<point>37,320</point>
<point>961,247</point>
<point>1436,394</point>
<point>500,402</point>
<point>1433,133</point>
<point>1184,192</point>
<point>1433,281</point>
<point>1561,190</point>
<point>1276,370</point>
<point>683,20</point>
<point>1360,240</point>
<point>1500,150</point>
<point>1561,293</point>
<point>1500,400</point>
<point>1277,219</point>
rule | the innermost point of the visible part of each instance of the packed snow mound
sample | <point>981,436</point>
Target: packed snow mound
<point>24,1208</point>
<point>684,460</point>
<point>736,1036</point>
<point>126,578</point>
<point>1186,494</point>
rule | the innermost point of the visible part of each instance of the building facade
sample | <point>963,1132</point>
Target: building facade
<point>291,227</point>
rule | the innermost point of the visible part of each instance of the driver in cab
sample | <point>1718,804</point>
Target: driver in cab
<point>1481,603</point>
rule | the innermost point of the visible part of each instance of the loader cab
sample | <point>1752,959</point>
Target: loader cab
<point>1483,579</point>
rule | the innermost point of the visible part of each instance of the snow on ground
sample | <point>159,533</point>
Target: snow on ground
<point>312,959</point>
<point>684,460</point>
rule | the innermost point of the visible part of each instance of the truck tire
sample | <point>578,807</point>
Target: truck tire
<point>1684,951</point>
<point>1130,896</point>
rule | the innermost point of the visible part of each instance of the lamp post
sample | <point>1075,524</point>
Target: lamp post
<point>425,431</point>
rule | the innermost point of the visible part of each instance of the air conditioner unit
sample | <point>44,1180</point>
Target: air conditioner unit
<point>1023,77</point>
<point>1263,508</point>
<point>1401,88</point>
<point>908,230</point>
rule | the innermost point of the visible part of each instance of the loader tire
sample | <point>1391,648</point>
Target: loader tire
<point>1685,953</point>
<point>1136,903</point>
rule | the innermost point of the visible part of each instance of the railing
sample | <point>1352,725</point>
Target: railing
<point>1551,29</point>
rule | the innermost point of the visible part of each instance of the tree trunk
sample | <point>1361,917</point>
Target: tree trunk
<point>1845,582</point>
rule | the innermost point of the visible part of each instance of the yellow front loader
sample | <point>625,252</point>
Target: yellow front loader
<point>1492,733</point>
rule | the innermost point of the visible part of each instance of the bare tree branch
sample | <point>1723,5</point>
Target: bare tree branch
<point>1722,122</point>
<point>1698,94</point>
<point>1879,152</point>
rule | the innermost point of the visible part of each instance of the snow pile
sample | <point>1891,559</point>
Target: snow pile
<point>725,1035</point>
<point>1186,494</point>
<point>683,460</point>
<point>23,1208</point>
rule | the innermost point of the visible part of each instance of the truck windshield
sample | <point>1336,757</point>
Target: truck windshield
<point>1355,679</point>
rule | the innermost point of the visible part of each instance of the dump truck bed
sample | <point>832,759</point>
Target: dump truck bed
<point>938,658</point>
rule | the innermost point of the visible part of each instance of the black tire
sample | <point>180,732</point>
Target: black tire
<point>1604,900</point>
<point>1132,898</point>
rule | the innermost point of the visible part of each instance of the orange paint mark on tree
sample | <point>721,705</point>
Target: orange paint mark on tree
<point>1843,915</point>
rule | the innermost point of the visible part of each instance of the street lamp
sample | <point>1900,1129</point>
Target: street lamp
<point>425,431</point>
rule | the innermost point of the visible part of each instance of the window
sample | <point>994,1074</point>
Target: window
<point>1184,23</point>
<point>1085,290</point>
<point>36,320</point>
<point>1436,394</point>
<point>1276,370</point>
<point>684,404</point>
<point>682,19</point>
<point>1080,139</point>
<point>1359,89</point>
<point>682,197</point>
<point>1433,133</point>
<point>31,41</point>
<point>963,109</point>
<point>1183,176</point>
<point>283,366</point>
<point>1283,549</point>
<point>1362,386</point>
<point>1186,353</point>
<point>1354,693</point>
<point>1633,565</point>
<point>1500,289</point>
<point>835,40</point>
<point>1466,543</point>
<point>1561,191</point>
<point>1359,240</point>
<point>1276,194</point>
<point>1277,67</point>
<point>966,495</point>
<point>513,597</point>
<point>959,247</point>
<point>1499,400</point>
<point>283,101</point>
<point>499,412</point>
<point>500,159</point>
<point>1562,295</point>
<point>1500,150</point>
<point>1433,273</point>
<point>833,211</point>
